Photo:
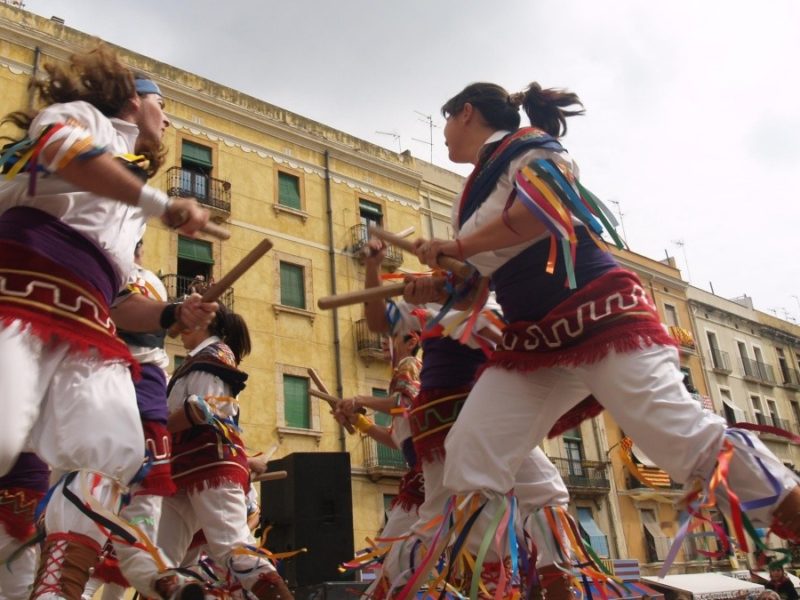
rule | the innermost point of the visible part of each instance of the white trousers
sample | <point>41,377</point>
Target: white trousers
<point>16,579</point>
<point>138,566</point>
<point>222,515</point>
<point>74,412</point>
<point>537,484</point>
<point>509,412</point>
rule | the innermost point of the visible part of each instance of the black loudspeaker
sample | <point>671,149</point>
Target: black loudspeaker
<point>332,590</point>
<point>312,508</point>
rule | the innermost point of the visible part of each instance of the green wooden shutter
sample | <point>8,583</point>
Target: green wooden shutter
<point>196,154</point>
<point>196,250</point>
<point>387,457</point>
<point>289,190</point>
<point>293,290</point>
<point>296,406</point>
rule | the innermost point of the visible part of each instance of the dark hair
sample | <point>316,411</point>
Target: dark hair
<point>547,108</point>
<point>99,78</point>
<point>231,329</point>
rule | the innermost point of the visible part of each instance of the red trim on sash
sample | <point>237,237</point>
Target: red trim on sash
<point>57,305</point>
<point>201,459</point>
<point>613,312</point>
<point>17,509</point>
<point>411,493</point>
<point>432,416</point>
<point>158,444</point>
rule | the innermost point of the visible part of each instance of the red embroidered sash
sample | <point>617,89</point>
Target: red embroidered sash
<point>613,312</point>
<point>17,509</point>
<point>432,416</point>
<point>57,304</point>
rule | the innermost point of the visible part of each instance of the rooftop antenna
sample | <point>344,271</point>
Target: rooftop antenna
<point>429,120</point>
<point>682,245</point>
<point>396,137</point>
<point>620,214</point>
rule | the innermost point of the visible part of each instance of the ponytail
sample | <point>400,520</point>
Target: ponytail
<point>232,329</point>
<point>548,110</point>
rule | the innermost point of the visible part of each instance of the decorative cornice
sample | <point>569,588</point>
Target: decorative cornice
<point>292,162</point>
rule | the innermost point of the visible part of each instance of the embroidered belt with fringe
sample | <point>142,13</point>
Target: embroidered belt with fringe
<point>200,458</point>
<point>17,510</point>
<point>158,447</point>
<point>411,493</point>
<point>613,312</point>
<point>58,305</point>
<point>434,412</point>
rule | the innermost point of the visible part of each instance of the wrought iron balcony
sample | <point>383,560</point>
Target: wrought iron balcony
<point>791,378</point>
<point>180,286</point>
<point>381,461</point>
<point>359,236</point>
<point>757,371</point>
<point>585,476</point>
<point>720,361</point>
<point>211,192</point>
<point>368,343</point>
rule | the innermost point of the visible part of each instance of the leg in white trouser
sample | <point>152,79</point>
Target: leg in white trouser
<point>16,578</point>
<point>25,372</point>
<point>508,412</point>
<point>176,527</point>
<point>139,567</point>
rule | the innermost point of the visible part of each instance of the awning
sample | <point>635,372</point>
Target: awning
<point>616,591</point>
<point>704,586</point>
<point>196,250</point>
<point>738,413</point>
<point>641,457</point>
<point>597,539</point>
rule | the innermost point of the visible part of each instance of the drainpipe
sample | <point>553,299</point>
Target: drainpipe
<point>37,53</point>
<point>337,347</point>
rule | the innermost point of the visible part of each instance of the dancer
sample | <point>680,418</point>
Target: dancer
<point>453,351</point>
<point>21,490</point>
<point>209,464</point>
<point>401,348</point>
<point>71,216</point>
<point>124,565</point>
<point>581,328</point>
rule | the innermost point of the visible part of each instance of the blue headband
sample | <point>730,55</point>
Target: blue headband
<point>147,86</point>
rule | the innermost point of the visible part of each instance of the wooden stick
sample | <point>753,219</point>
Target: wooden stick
<point>215,291</point>
<point>216,231</point>
<point>332,401</point>
<point>270,476</point>
<point>461,269</point>
<point>359,296</point>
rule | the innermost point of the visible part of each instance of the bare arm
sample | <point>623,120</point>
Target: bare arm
<point>137,313</point>
<point>495,235</point>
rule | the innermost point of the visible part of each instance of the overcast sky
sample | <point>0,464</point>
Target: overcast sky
<point>692,107</point>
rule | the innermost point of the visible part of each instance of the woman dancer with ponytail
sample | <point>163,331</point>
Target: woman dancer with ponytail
<point>582,332</point>
<point>209,465</point>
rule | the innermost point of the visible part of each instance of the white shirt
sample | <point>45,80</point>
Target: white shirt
<point>492,208</point>
<point>115,227</point>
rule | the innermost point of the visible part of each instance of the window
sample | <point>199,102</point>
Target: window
<point>370,213</point>
<point>795,413</point>
<point>177,361</point>
<point>387,457</point>
<point>388,499</point>
<point>670,315</point>
<point>774,419</point>
<point>196,168</point>
<point>573,446</point>
<point>758,411</point>
<point>296,403</point>
<point>657,543</point>
<point>195,261</point>
<point>687,380</point>
<point>733,414</point>
<point>591,533</point>
<point>289,190</point>
<point>783,366</point>
<point>293,291</point>
<point>718,358</point>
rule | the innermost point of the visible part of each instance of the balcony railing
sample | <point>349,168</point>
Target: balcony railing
<point>368,343</point>
<point>791,378</point>
<point>359,236</point>
<point>211,192</point>
<point>380,461</point>
<point>757,371</point>
<point>720,361</point>
<point>772,421</point>
<point>584,475</point>
<point>180,286</point>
